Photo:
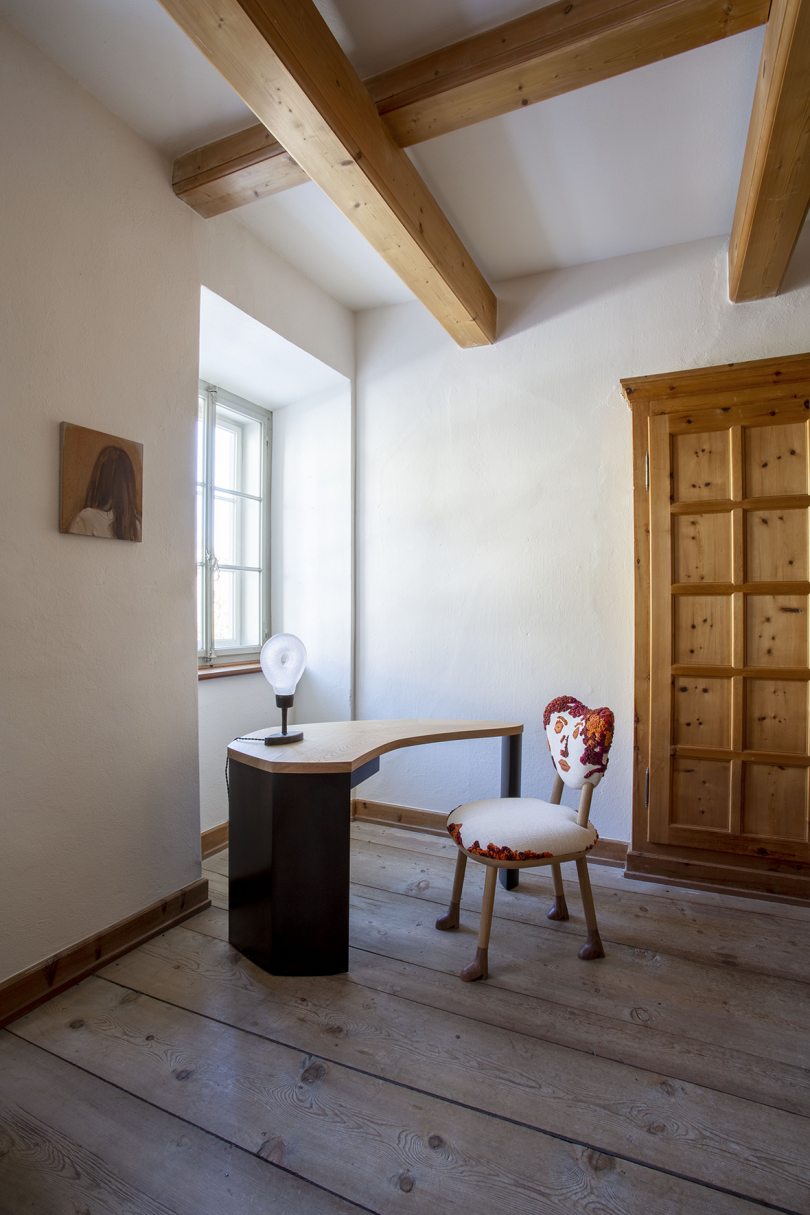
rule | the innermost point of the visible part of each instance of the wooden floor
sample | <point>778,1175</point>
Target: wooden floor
<point>671,1077</point>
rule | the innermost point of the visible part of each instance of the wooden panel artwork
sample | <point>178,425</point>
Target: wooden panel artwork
<point>729,569</point>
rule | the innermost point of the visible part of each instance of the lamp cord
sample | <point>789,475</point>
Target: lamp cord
<point>242,738</point>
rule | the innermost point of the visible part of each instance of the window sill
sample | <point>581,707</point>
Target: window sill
<point>242,668</point>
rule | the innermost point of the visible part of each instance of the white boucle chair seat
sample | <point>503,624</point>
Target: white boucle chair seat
<point>519,829</point>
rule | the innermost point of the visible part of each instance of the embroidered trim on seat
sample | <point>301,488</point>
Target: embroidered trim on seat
<point>503,854</point>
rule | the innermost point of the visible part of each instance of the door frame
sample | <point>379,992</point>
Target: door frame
<point>648,397</point>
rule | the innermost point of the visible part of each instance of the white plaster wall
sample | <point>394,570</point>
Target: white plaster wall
<point>494,528</point>
<point>311,560</point>
<point>99,318</point>
<point>311,588</point>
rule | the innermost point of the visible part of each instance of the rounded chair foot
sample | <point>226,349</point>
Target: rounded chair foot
<point>477,969</point>
<point>559,911</point>
<point>592,949</point>
<point>449,919</point>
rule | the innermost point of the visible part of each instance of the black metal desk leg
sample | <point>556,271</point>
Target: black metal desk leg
<point>289,870</point>
<point>511,752</point>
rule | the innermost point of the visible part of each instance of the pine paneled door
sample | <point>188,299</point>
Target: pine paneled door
<point>722,664</point>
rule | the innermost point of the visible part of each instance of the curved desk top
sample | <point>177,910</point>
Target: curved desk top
<point>342,746</point>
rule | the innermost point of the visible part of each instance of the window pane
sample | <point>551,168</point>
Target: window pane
<point>237,609</point>
<point>226,445</point>
<point>225,537</point>
<point>224,609</point>
<point>201,439</point>
<point>200,607</point>
<point>237,530</point>
<point>200,553</point>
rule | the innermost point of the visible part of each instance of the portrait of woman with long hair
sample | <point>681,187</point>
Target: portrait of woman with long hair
<point>109,498</point>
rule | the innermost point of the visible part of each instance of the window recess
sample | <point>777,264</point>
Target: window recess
<point>233,527</point>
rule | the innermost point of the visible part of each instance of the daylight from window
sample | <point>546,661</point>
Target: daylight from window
<point>233,439</point>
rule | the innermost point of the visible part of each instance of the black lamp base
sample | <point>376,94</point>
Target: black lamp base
<point>276,740</point>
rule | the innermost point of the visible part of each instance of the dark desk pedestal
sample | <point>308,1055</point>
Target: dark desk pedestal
<point>289,841</point>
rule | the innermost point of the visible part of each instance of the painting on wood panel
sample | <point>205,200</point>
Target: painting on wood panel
<point>101,484</point>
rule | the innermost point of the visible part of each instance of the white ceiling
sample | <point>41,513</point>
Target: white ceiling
<point>245,357</point>
<point>648,159</point>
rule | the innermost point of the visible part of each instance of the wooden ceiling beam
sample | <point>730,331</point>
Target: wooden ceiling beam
<point>554,50</point>
<point>283,61</point>
<point>774,189</point>
<point>234,171</point>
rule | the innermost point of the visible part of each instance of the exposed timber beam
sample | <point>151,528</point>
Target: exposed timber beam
<point>283,61</point>
<point>554,50</point>
<point>233,171</point>
<point>775,184</point>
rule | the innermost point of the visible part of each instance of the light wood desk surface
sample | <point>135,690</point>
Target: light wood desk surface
<point>343,746</point>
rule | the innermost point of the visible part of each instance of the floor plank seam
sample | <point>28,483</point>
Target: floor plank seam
<point>528,996</point>
<point>722,966</point>
<point>709,1088</point>
<point>566,1045</point>
<point>707,1185</point>
<point>237,1147</point>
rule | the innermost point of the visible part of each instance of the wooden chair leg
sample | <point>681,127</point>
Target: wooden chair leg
<point>559,911</point>
<point>450,918</point>
<point>592,949</point>
<point>477,969</point>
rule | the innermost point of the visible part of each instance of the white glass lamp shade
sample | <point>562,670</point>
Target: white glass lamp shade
<point>284,660</point>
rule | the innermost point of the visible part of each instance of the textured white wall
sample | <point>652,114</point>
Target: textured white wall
<point>494,493</point>
<point>311,587</point>
<point>99,319</point>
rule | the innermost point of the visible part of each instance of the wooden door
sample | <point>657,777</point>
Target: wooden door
<point>726,542</point>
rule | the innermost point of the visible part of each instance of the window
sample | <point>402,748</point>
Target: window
<point>233,476</point>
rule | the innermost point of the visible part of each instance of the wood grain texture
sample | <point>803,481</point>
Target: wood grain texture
<point>610,878</point>
<point>285,64</point>
<point>342,746</point>
<point>543,54</point>
<point>231,172</point>
<point>746,940</point>
<point>672,1077</point>
<point>626,1037</point>
<point>727,544</point>
<point>415,1148</point>
<point>774,188</point>
<point>537,1083</point>
<point>546,53</point>
<point>69,1143</point>
<point>25,991</point>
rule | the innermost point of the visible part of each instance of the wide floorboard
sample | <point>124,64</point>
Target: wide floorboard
<point>672,1076</point>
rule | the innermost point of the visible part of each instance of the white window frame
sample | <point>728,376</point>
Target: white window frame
<point>210,655</point>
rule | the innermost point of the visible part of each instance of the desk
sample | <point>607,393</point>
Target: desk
<point>290,814</point>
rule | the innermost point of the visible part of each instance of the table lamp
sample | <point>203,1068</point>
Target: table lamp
<point>283,660</point>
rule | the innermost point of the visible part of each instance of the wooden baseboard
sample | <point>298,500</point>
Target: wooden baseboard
<point>432,822</point>
<point>214,840</point>
<point>23,992</point>
<point>740,880</point>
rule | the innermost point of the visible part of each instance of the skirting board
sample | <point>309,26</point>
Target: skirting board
<point>23,992</point>
<point>214,840</point>
<point>409,818</point>
<point>432,822</point>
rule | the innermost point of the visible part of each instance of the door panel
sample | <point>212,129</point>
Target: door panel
<point>776,545</point>
<point>775,460</point>
<point>702,632</point>
<point>701,546</point>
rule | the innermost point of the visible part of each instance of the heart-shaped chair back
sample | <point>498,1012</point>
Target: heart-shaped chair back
<point>579,739</point>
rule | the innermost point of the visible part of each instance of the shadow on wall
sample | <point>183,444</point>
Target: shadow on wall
<point>798,272</point>
<point>522,307</point>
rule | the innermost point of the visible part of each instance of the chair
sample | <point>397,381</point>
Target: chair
<point>524,832</point>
